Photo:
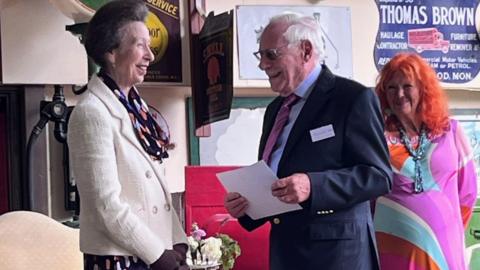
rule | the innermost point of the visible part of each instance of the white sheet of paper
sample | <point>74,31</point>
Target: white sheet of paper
<point>254,183</point>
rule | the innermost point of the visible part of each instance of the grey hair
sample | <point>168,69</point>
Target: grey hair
<point>301,27</point>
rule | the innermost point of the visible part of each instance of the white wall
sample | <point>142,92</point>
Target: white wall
<point>36,48</point>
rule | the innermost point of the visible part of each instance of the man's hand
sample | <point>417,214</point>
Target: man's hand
<point>292,189</point>
<point>235,204</point>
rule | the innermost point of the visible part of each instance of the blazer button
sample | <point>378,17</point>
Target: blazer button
<point>167,207</point>
<point>276,221</point>
<point>154,210</point>
<point>148,174</point>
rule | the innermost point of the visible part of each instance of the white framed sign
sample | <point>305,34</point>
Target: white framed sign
<point>335,23</point>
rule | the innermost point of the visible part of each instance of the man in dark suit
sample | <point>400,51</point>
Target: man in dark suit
<point>330,155</point>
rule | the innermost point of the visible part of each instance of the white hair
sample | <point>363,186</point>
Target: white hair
<point>301,27</point>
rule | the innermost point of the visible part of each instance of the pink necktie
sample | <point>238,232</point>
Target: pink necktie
<point>280,121</point>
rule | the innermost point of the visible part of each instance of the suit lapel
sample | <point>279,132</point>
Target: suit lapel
<point>314,103</point>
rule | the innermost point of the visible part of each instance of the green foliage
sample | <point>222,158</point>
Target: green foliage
<point>230,251</point>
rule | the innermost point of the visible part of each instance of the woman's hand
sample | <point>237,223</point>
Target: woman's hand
<point>181,250</point>
<point>168,261</point>
<point>175,259</point>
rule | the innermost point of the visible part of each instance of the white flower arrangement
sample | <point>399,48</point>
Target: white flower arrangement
<point>212,251</point>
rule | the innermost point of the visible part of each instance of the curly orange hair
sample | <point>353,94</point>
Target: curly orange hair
<point>433,104</point>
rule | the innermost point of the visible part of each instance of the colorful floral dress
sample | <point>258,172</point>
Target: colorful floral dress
<point>425,231</point>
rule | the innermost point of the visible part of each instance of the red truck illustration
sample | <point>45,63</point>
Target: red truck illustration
<point>423,39</point>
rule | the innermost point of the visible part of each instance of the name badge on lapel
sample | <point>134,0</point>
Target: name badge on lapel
<point>322,133</point>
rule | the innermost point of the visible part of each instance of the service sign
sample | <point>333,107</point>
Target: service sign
<point>442,31</point>
<point>163,22</point>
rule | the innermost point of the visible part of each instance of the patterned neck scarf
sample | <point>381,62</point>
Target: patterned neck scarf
<point>154,139</point>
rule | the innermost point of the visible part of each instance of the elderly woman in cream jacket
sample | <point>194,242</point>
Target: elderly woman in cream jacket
<point>126,216</point>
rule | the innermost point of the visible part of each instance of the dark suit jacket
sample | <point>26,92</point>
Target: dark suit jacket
<point>334,230</point>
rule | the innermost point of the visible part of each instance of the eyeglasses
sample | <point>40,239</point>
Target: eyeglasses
<point>270,54</point>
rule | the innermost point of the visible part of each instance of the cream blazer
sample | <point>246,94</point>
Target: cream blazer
<point>125,206</point>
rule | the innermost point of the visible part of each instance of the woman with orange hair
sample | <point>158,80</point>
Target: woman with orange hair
<point>421,223</point>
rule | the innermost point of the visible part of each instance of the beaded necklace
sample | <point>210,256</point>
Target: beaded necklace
<point>416,154</point>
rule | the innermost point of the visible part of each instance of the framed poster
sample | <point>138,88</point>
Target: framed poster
<point>443,32</point>
<point>212,87</point>
<point>334,23</point>
<point>163,22</point>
